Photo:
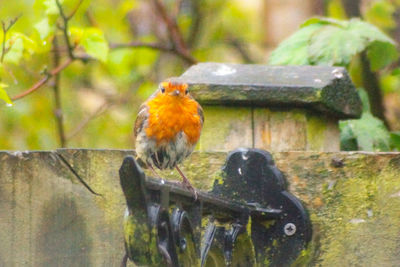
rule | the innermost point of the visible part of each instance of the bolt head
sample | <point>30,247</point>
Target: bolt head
<point>289,229</point>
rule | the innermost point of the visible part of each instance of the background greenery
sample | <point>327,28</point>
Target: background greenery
<point>115,52</point>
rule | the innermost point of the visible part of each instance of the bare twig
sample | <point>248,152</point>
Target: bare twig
<point>74,10</point>
<point>64,26</point>
<point>197,20</point>
<point>43,80</point>
<point>177,8</point>
<point>241,49</point>
<point>100,110</point>
<point>139,44</point>
<point>111,101</point>
<point>155,46</point>
<point>174,33</point>
<point>6,28</point>
<point>58,113</point>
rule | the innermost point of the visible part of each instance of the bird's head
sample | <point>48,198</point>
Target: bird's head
<point>173,89</point>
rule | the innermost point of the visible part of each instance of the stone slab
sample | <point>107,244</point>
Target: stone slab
<point>320,88</point>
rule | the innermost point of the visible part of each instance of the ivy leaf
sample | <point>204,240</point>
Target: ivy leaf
<point>294,50</point>
<point>3,94</point>
<point>95,44</point>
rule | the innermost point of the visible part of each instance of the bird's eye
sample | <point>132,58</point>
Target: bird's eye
<point>162,90</point>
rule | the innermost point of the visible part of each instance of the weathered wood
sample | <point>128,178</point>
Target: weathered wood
<point>48,218</point>
<point>226,128</point>
<point>294,130</point>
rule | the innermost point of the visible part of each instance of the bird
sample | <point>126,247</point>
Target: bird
<point>167,128</point>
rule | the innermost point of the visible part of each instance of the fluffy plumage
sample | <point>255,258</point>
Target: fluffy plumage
<point>168,126</point>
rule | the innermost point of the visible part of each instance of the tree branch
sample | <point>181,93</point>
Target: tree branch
<point>6,28</point>
<point>241,49</point>
<point>155,46</point>
<point>174,33</point>
<point>43,80</point>
<point>100,110</point>
<point>64,27</point>
<point>352,8</point>
<point>370,79</point>
<point>58,113</point>
<point>197,20</point>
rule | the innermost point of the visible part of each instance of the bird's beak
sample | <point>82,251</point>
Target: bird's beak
<point>176,93</point>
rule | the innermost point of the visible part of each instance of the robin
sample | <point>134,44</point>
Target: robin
<point>168,127</point>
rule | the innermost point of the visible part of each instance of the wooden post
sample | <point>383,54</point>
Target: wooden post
<point>272,107</point>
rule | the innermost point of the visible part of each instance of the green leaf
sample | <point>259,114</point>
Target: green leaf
<point>30,45</point>
<point>368,32</point>
<point>381,14</point>
<point>381,54</point>
<point>348,140</point>
<point>395,140</point>
<point>325,20</point>
<point>334,45</point>
<point>16,49</point>
<point>326,41</point>
<point>3,94</point>
<point>44,28</point>
<point>364,99</point>
<point>396,71</point>
<point>95,44</point>
<point>369,132</point>
<point>49,6</point>
<point>294,50</point>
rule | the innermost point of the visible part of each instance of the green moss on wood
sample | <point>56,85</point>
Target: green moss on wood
<point>316,127</point>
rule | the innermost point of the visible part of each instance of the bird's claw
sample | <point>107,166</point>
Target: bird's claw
<point>189,186</point>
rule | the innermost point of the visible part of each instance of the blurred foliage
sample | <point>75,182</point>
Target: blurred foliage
<point>367,133</point>
<point>336,41</point>
<point>103,87</point>
<point>326,41</point>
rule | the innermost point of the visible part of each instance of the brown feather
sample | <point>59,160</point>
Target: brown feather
<point>140,119</point>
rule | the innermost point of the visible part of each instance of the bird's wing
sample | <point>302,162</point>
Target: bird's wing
<point>200,112</point>
<point>140,119</point>
<point>143,115</point>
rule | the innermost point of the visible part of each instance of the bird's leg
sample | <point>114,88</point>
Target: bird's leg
<point>186,182</point>
<point>146,165</point>
<point>154,172</point>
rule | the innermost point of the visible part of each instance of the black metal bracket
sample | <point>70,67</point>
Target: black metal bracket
<point>247,219</point>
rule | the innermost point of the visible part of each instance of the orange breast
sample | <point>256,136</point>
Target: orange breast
<point>168,115</point>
